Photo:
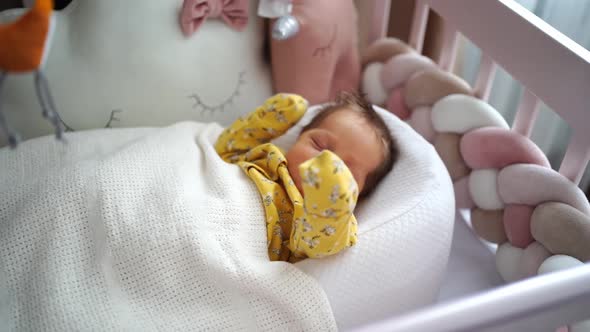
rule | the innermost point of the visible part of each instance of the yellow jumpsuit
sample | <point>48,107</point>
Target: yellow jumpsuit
<point>317,225</point>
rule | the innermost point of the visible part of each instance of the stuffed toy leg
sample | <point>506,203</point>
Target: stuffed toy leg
<point>318,57</point>
<point>24,46</point>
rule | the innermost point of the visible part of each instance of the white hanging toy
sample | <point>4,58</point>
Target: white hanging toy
<point>286,26</point>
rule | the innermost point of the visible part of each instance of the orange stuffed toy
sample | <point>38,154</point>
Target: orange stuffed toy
<point>322,57</point>
<point>24,47</point>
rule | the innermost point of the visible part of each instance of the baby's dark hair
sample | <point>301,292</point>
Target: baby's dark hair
<point>357,103</point>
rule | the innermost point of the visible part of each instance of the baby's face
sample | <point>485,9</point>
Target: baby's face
<point>346,134</point>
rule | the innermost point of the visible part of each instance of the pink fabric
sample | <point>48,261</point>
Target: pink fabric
<point>533,256</point>
<point>429,86</point>
<point>323,58</point>
<point>489,225</point>
<point>562,229</point>
<point>447,147</point>
<point>396,105</point>
<point>517,223</point>
<point>194,12</point>
<point>420,120</point>
<point>492,147</point>
<point>463,198</point>
<point>383,49</point>
<point>401,67</point>
<point>532,184</point>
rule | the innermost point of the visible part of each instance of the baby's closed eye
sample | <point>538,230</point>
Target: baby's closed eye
<point>317,144</point>
<point>320,142</point>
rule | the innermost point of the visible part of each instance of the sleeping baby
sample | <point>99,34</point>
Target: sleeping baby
<point>309,193</point>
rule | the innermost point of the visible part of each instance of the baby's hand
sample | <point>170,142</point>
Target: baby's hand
<point>278,114</point>
<point>326,225</point>
<point>269,121</point>
<point>329,187</point>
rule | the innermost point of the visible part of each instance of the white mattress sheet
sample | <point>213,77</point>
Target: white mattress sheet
<point>472,265</point>
<point>472,270</point>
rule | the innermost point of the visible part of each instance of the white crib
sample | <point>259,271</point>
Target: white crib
<point>472,297</point>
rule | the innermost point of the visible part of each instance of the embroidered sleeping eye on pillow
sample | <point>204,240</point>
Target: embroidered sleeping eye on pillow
<point>404,238</point>
<point>117,63</point>
<point>322,58</point>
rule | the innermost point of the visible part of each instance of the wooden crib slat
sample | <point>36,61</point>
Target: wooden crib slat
<point>419,22</point>
<point>485,77</point>
<point>379,19</point>
<point>527,113</point>
<point>449,52</point>
<point>576,159</point>
<point>532,51</point>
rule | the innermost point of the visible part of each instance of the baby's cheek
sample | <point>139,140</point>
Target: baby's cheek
<point>360,181</point>
<point>360,185</point>
<point>294,172</point>
<point>299,154</point>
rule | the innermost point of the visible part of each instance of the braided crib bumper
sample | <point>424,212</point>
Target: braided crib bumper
<point>539,219</point>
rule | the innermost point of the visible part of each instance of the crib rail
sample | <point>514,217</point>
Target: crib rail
<point>502,28</point>
<point>509,308</point>
<point>554,70</point>
<point>379,19</point>
<point>532,51</point>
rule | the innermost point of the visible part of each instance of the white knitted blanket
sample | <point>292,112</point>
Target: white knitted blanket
<point>141,229</point>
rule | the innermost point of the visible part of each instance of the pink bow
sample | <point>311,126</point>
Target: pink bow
<point>194,12</point>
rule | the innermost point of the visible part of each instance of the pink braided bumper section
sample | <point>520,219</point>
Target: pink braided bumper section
<point>539,219</point>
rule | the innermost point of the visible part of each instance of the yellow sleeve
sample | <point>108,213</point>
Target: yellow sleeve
<point>326,225</point>
<point>269,121</point>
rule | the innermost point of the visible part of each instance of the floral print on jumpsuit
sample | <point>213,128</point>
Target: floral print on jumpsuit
<point>319,224</point>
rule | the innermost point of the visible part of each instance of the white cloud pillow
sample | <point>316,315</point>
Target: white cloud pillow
<point>132,58</point>
<point>405,233</point>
